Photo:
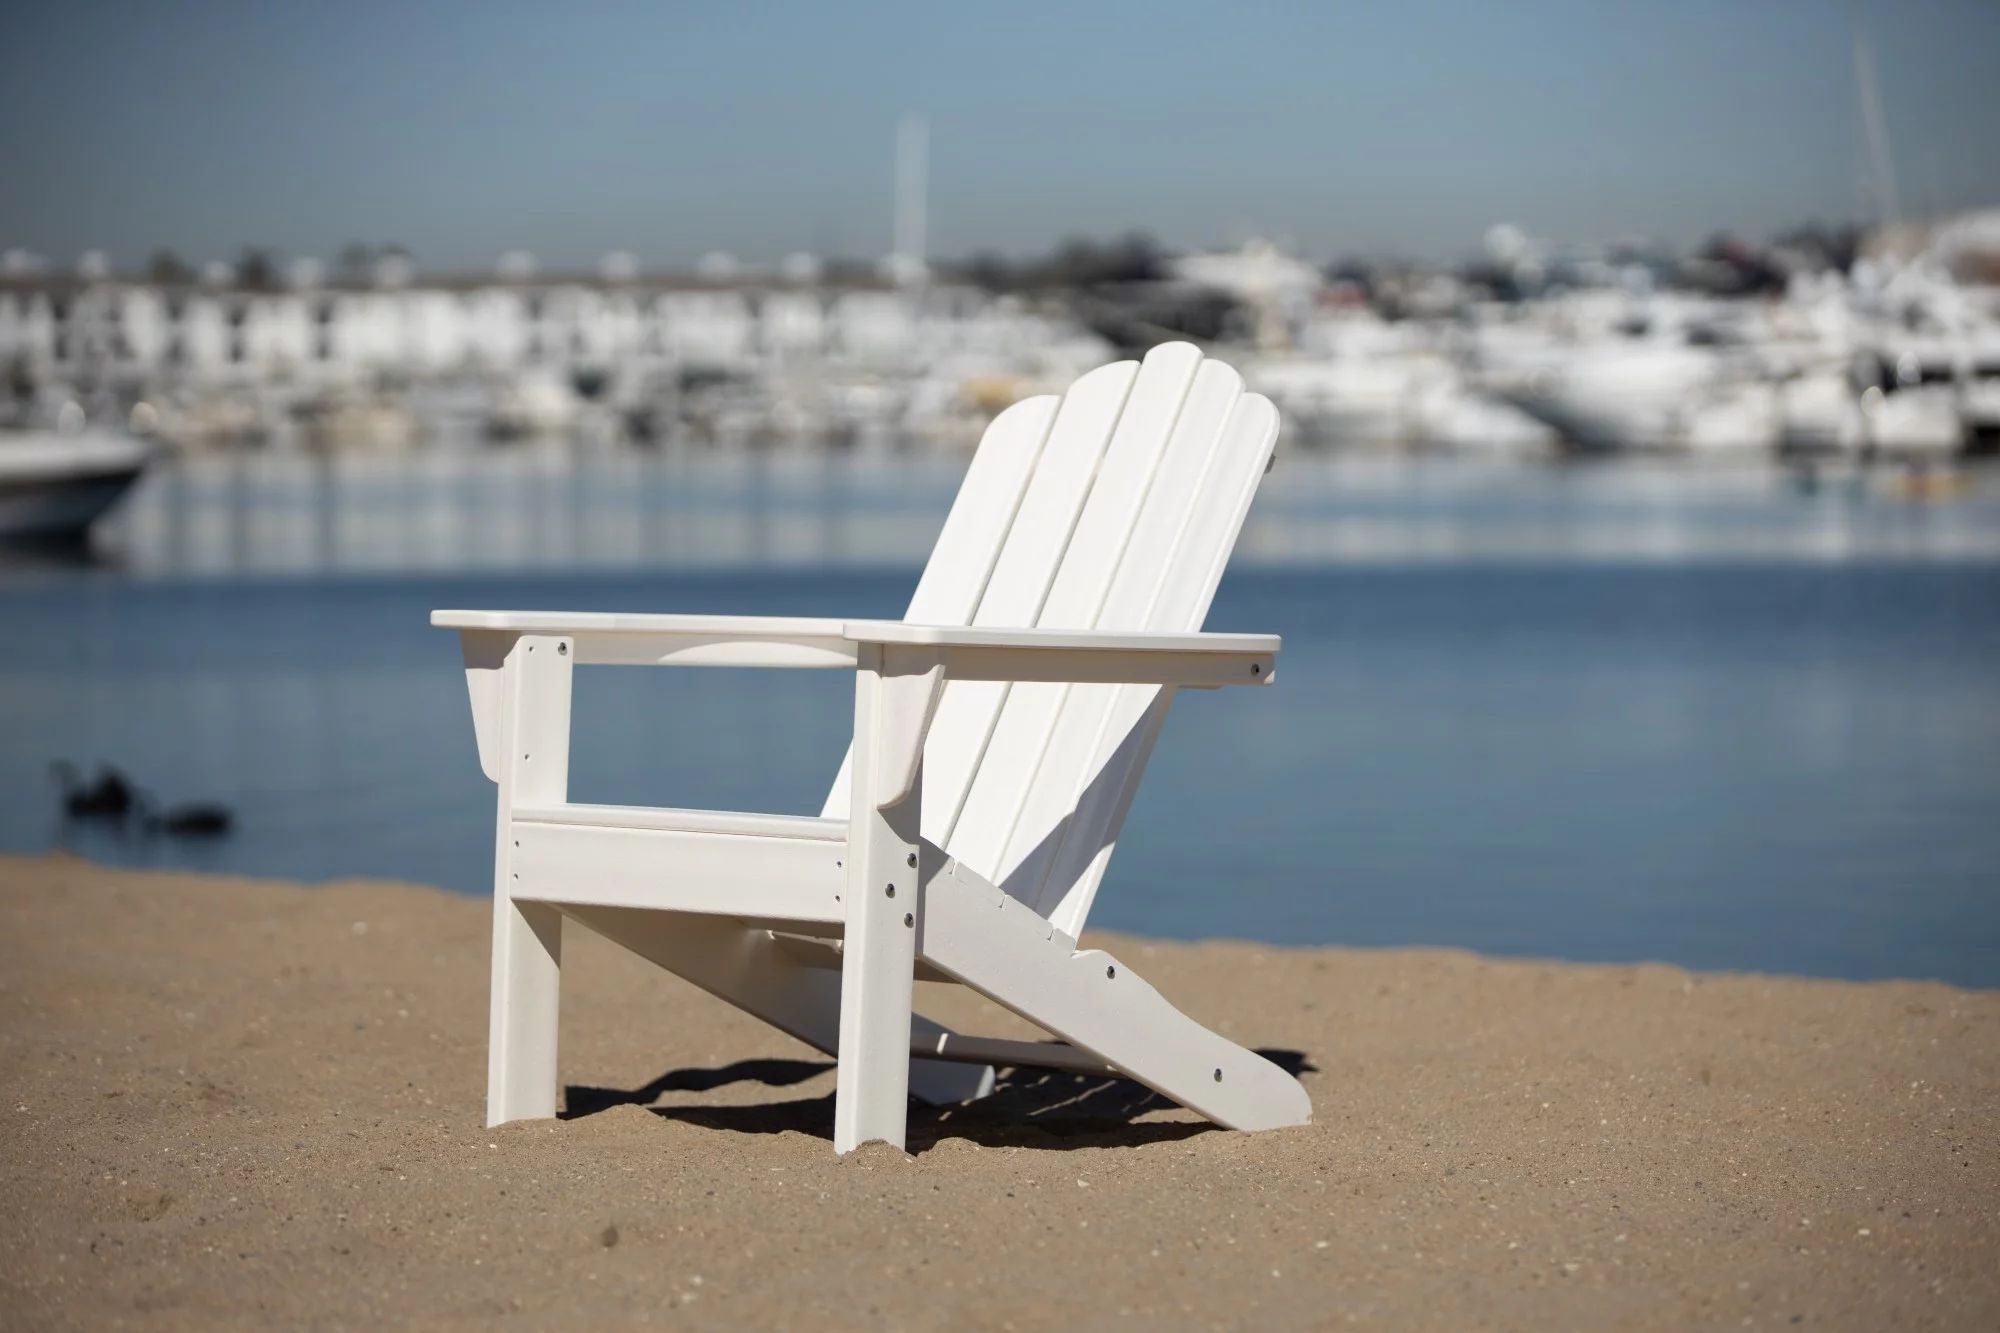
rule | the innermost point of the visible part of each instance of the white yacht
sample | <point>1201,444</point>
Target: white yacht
<point>53,485</point>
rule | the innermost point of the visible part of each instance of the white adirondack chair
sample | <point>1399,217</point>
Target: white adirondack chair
<point>1000,730</point>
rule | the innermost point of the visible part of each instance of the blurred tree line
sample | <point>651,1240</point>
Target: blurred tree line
<point>1078,262</point>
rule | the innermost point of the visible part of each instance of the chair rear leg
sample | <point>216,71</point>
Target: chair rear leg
<point>1015,957</point>
<point>521,1037</point>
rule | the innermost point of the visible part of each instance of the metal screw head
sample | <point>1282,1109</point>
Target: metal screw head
<point>889,892</point>
<point>1110,972</point>
<point>1218,1076</point>
<point>909,919</point>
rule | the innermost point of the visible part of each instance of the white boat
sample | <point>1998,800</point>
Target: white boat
<point>53,486</point>
<point>1645,396</point>
<point>1413,400</point>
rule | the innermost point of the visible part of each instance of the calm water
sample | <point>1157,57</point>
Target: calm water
<point>1787,763</point>
<point>1787,767</point>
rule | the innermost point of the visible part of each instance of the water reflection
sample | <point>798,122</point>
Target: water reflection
<point>553,510</point>
<point>566,509</point>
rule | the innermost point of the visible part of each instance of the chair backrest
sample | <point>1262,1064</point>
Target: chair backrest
<point>1114,507</point>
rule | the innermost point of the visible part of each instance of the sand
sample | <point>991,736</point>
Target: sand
<point>230,1102</point>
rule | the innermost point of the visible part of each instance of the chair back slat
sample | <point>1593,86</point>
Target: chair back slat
<point>968,545</point>
<point>1006,772</point>
<point>1127,728</point>
<point>1022,576</point>
<point>1114,508</point>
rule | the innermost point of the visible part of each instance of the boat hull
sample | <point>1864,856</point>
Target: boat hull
<point>48,509</point>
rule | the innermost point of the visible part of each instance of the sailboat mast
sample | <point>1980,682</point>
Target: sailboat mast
<point>912,189</point>
<point>1881,167</point>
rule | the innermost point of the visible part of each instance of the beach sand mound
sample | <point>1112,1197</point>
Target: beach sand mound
<point>230,1102</point>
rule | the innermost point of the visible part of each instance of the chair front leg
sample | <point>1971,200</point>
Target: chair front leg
<point>896,692</point>
<point>527,936</point>
<point>521,1031</point>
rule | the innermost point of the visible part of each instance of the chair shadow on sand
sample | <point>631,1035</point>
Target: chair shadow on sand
<point>1038,1108</point>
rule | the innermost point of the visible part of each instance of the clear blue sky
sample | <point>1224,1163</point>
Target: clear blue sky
<point>671,130</point>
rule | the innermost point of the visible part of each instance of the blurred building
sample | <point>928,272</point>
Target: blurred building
<point>108,328</point>
<point>380,355</point>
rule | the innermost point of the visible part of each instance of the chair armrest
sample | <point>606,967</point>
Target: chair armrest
<point>616,639</point>
<point>1196,661</point>
<point>969,652</point>
<point>974,652</point>
<point>616,622</point>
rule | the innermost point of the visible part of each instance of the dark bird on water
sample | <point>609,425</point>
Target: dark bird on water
<point>192,821</point>
<point>110,797</point>
<point>115,798</point>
